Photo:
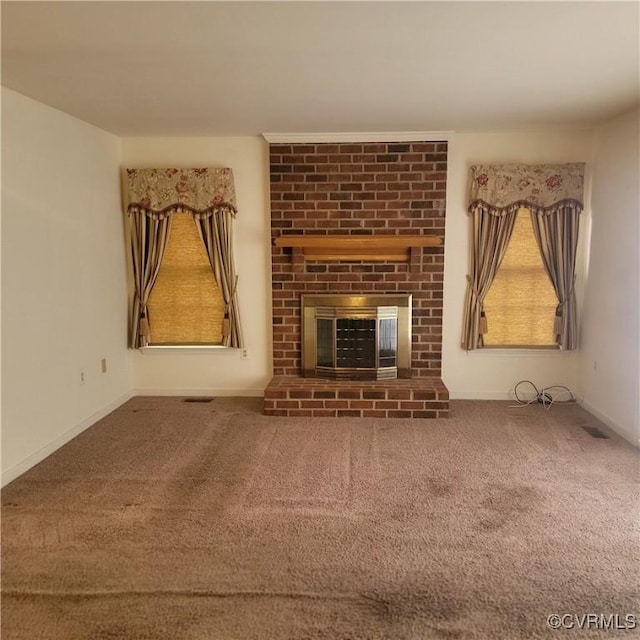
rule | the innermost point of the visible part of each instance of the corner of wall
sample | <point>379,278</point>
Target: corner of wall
<point>609,378</point>
<point>64,313</point>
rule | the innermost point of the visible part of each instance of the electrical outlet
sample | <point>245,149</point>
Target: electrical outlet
<point>245,354</point>
<point>82,377</point>
<point>103,365</point>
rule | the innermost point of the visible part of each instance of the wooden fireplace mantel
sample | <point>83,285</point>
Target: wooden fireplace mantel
<point>372,248</point>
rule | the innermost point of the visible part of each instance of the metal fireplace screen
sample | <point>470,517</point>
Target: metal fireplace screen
<point>356,337</point>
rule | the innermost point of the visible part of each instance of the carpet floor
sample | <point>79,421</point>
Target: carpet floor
<point>172,520</point>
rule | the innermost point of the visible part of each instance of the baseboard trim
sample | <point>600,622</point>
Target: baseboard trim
<point>8,475</point>
<point>612,424</point>
<point>207,391</point>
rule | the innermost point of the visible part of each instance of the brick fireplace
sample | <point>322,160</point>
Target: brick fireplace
<point>358,195</point>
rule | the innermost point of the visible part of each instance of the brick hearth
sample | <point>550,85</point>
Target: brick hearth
<point>359,190</point>
<point>312,397</point>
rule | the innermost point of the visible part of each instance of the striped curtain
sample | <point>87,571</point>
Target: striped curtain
<point>149,235</point>
<point>215,229</point>
<point>557,237</point>
<point>490,238</point>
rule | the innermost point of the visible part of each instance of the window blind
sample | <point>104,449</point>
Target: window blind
<point>520,306</point>
<point>185,306</point>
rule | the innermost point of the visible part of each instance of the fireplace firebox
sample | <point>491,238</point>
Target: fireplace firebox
<point>356,337</point>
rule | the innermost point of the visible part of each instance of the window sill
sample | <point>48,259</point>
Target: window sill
<point>186,350</point>
<point>518,352</point>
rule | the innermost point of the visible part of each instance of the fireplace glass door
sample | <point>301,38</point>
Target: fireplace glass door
<point>356,337</point>
<point>356,343</point>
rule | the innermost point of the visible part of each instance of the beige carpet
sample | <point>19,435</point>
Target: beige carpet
<point>177,521</point>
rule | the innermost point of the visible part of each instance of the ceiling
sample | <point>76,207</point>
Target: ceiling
<point>244,68</point>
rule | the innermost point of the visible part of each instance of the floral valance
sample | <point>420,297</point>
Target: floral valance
<point>160,191</point>
<point>542,188</point>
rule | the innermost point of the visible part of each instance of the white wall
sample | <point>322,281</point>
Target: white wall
<point>475,375</point>
<point>610,364</point>
<point>491,374</point>
<point>63,280</point>
<point>224,373</point>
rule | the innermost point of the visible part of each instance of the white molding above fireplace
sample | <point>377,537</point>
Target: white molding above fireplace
<point>359,136</point>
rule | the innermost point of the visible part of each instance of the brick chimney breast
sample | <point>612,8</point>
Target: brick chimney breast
<point>358,189</point>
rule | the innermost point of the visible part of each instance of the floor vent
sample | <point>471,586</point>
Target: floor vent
<point>594,432</point>
<point>199,399</point>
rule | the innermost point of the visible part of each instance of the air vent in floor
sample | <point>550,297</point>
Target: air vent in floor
<point>594,432</point>
<point>199,399</point>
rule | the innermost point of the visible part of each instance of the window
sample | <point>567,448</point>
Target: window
<point>521,303</point>
<point>185,306</point>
